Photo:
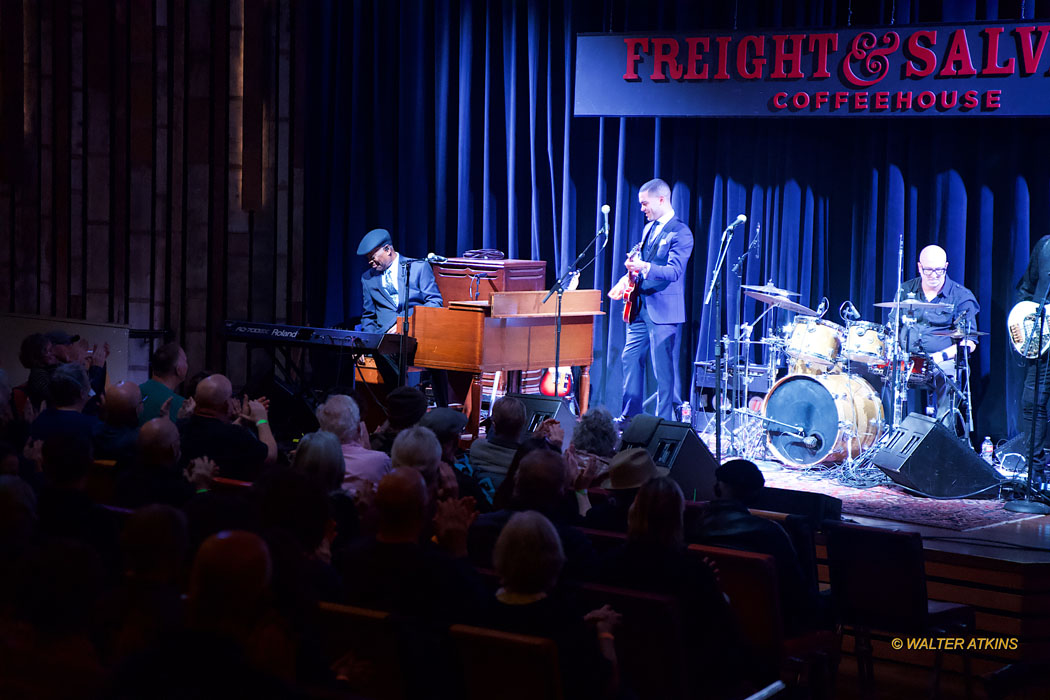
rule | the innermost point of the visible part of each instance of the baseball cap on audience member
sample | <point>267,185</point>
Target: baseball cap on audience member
<point>60,337</point>
<point>445,422</point>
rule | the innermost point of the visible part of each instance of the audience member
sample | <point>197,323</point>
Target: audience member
<point>654,559</point>
<point>37,355</point>
<point>727,522</point>
<point>156,475</point>
<point>68,392</point>
<point>320,458</point>
<point>447,425</point>
<point>595,438</point>
<point>505,491</point>
<point>404,407</point>
<point>18,505</point>
<point>628,472</point>
<point>540,485</point>
<point>117,436</point>
<point>528,558</point>
<point>168,369</point>
<point>492,454</point>
<point>73,348</point>
<point>418,448</point>
<point>65,509</point>
<point>364,467</point>
<point>216,430</point>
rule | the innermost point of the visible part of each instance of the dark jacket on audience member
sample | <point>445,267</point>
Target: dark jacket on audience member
<point>116,443</point>
<point>233,448</point>
<point>70,513</point>
<point>728,523</point>
<point>611,514</point>
<point>53,421</point>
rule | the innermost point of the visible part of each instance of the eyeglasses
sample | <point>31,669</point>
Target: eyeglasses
<point>933,271</point>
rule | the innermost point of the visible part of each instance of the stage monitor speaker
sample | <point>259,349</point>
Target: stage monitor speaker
<point>676,447</point>
<point>923,456</point>
<point>539,408</point>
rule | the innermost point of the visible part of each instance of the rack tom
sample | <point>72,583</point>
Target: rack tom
<point>814,341</point>
<point>866,342</point>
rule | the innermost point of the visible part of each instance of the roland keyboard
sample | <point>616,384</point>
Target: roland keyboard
<point>278,334</point>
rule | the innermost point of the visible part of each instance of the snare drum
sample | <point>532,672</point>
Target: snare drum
<point>838,414</point>
<point>919,371</point>
<point>814,340</point>
<point>866,342</point>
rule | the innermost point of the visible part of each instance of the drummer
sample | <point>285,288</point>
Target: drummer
<point>960,310</point>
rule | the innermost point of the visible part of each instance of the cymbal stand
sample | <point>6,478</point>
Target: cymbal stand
<point>895,355</point>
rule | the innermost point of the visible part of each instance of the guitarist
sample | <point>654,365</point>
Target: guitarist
<point>1032,287</point>
<point>659,271</point>
<point>934,285</point>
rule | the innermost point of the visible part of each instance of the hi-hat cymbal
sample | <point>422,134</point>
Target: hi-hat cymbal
<point>780,301</point>
<point>957,334</point>
<point>909,304</point>
<point>769,289</point>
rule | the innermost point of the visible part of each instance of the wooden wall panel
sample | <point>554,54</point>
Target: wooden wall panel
<point>129,203</point>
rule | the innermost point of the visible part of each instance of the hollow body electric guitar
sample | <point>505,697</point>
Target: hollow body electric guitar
<point>1023,326</point>
<point>630,295</point>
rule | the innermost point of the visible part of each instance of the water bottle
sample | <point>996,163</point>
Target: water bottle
<point>687,413</point>
<point>988,450</point>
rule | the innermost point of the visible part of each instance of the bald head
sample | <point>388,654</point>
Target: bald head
<point>933,267</point>
<point>401,502</point>
<point>230,583</point>
<point>213,396</point>
<point>933,256</point>
<point>159,444</point>
<point>123,402</point>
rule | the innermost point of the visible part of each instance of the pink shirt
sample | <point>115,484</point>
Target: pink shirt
<point>363,465</point>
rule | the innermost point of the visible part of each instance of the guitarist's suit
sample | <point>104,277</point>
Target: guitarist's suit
<point>666,247</point>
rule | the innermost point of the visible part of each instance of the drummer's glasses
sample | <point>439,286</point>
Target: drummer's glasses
<point>933,271</point>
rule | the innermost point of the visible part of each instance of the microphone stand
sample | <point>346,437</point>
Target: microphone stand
<point>1028,504</point>
<point>559,288</point>
<point>714,288</point>
<point>402,352</point>
<point>739,331</point>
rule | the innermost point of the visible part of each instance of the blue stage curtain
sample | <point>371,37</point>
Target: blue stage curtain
<point>450,124</point>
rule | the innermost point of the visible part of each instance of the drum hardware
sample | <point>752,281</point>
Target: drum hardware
<point>913,304</point>
<point>769,288</point>
<point>957,334</point>
<point>781,302</point>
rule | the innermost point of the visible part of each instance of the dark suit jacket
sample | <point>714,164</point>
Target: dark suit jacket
<point>664,287</point>
<point>380,312</point>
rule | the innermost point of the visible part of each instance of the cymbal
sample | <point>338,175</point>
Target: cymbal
<point>910,304</point>
<point>956,334</point>
<point>769,289</point>
<point>783,303</point>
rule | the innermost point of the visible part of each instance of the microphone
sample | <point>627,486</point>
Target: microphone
<point>435,258</point>
<point>605,213</point>
<point>823,307</point>
<point>812,441</point>
<point>739,220</point>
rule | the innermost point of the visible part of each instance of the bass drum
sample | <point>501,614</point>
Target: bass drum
<point>836,412</point>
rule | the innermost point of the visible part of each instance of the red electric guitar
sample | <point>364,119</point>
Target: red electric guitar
<point>630,295</point>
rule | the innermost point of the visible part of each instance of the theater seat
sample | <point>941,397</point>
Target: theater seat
<point>505,665</point>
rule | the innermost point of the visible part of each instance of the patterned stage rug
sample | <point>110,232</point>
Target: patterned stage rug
<point>891,502</point>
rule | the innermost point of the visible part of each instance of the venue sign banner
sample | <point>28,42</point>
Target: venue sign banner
<point>924,70</point>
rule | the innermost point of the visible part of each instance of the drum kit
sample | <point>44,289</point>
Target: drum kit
<point>822,407</point>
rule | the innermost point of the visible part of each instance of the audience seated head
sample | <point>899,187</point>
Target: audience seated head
<point>656,516</point>
<point>67,460</point>
<point>6,413</point>
<point>630,469</point>
<point>739,480</point>
<point>36,351</point>
<point>293,502</point>
<point>320,457</point>
<point>123,404</point>
<point>169,363</point>
<point>159,444</point>
<point>154,543</point>
<point>528,555</point>
<point>447,425</point>
<point>214,398</point>
<point>66,347</point>
<point>540,481</point>
<point>341,416</point>
<point>69,387</point>
<point>230,584</point>
<point>508,418</point>
<point>596,433</point>
<point>505,491</point>
<point>418,448</point>
<point>401,506</point>
<point>405,406</point>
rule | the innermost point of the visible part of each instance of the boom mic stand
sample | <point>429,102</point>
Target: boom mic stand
<point>1028,504</point>
<point>714,288</point>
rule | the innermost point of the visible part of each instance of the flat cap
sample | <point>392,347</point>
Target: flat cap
<point>372,240</point>
<point>60,337</point>
<point>445,422</point>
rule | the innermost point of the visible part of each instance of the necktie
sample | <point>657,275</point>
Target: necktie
<point>390,283</point>
<point>650,239</point>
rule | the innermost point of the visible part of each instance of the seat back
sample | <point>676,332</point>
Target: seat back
<point>878,577</point>
<point>750,581</point>
<point>506,665</point>
<point>649,641</point>
<point>368,637</point>
<point>102,481</point>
